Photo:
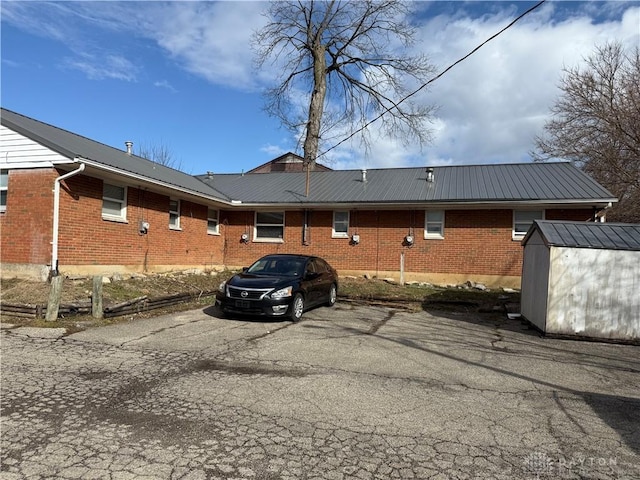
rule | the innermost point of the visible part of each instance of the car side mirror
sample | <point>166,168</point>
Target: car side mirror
<point>244,269</point>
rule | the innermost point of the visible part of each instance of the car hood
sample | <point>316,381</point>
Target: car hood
<point>248,280</point>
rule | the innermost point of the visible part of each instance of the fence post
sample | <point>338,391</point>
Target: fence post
<point>96,298</point>
<point>55,295</point>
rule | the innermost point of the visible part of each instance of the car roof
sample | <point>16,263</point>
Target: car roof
<point>287,255</point>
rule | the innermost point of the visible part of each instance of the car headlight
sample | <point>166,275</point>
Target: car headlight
<point>282,293</point>
<point>221,287</point>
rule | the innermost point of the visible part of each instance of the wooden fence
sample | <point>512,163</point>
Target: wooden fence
<point>136,305</point>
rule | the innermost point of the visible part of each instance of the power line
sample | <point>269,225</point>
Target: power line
<point>387,110</point>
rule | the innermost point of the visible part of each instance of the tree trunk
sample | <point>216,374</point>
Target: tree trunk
<point>316,108</point>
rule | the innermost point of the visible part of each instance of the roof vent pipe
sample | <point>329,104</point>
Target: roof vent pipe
<point>129,145</point>
<point>364,175</point>
<point>430,177</point>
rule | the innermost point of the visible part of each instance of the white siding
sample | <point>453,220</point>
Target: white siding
<point>535,281</point>
<point>17,151</point>
<point>594,292</point>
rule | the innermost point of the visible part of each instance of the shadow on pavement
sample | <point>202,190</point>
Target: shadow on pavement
<point>214,311</point>
<point>622,414</point>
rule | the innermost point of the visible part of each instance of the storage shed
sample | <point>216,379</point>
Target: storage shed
<point>582,279</point>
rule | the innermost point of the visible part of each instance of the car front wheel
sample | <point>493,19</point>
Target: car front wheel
<point>297,308</point>
<point>333,295</point>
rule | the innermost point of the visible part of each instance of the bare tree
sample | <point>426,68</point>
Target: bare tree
<point>347,61</point>
<point>159,153</point>
<point>596,124</point>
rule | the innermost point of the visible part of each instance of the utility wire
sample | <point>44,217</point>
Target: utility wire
<point>387,110</point>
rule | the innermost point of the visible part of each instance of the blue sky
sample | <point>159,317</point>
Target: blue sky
<point>180,74</point>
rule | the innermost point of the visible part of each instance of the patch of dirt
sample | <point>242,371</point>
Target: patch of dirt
<point>78,290</point>
<point>203,286</point>
<point>119,289</point>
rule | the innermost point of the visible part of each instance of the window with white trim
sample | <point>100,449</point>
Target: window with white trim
<point>114,202</point>
<point>269,227</point>
<point>212,222</point>
<point>522,220</point>
<point>174,214</point>
<point>434,224</point>
<point>340,224</point>
<point>4,189</point>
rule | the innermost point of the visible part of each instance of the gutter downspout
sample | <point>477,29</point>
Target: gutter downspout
<point>56,217</point>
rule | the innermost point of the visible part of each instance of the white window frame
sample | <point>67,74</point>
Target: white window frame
<point>340,234</point>
<point>519,235</point>
<point>431,235</point>
<point>4,187</point>
<point>176,214</point>
<point>213,215</point>
<point>268,239</point>
<point>122,217</point>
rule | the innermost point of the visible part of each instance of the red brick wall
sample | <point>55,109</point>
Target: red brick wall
<point>107,242</point>
<point>26,226</point>
<point>86,239</point>
<point>475,241</point>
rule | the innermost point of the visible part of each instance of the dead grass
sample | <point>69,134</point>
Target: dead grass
<point>427,296</point>
<point>153,286</point>
<point>79,290</point>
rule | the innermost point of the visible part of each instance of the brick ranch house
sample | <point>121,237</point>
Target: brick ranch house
<point>76,206</point>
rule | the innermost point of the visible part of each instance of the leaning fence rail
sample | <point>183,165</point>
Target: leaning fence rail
<point>21,310</point>
<point>133,306</point>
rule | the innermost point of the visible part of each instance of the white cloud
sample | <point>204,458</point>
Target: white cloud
<point>493,104</point>
<point>11,63</point>
<point>110,66</point>
<point>81,27</point>
<point>37,18</point>
<point>209,39</point>
<point>273,150</point>
<point>164,84</point>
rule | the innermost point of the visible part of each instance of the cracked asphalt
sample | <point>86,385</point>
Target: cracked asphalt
<point>352,392</point>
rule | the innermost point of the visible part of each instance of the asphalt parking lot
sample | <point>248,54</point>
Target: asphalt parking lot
<point>352,392</point>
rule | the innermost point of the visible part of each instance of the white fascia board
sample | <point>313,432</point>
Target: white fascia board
<point>475,205</point>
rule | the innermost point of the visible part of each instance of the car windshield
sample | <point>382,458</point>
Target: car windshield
<point>285,267</point>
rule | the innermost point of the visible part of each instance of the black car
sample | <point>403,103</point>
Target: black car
<point>280,285</point>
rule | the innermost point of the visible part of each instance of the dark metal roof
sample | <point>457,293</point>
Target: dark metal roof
<point>554,182</point>
<point>72,145</point>
<point>612,236</point>
<point>558,183</point>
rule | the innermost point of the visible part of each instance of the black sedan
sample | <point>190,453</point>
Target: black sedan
<point>280,285</point>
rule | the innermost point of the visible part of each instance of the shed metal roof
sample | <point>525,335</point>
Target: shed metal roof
<point>558,182</point>
<point>611,236</point>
